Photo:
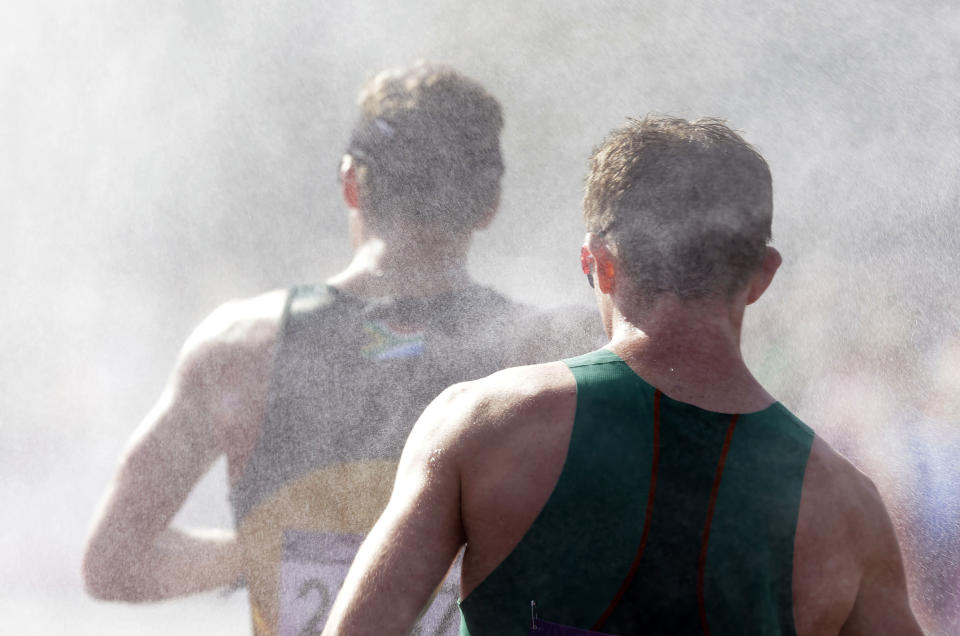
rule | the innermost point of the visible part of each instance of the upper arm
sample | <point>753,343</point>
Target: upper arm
<point>169,452</point>
<point>410,548</point>
<point>848,571</point>
<point>882,604</point>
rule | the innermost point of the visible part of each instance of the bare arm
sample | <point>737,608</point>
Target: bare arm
<point>132,553</point>
<point>409,550</point>
<point>848,575</point>
<point>882,605</point>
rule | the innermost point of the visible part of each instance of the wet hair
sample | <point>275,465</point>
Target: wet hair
<point>686,205</point>
<point>428,148</point>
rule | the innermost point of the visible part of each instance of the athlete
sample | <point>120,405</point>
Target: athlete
<point>310,392</point>
<point>652,486</point>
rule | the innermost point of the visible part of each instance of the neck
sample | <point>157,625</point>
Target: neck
<point>690,351</point>
<point>382,267</point>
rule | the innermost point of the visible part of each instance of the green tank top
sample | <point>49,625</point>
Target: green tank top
<point>666,519</point>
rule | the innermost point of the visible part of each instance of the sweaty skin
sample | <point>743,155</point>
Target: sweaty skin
<point>213,405</point>
<point>227,398</point>
<point>485,456</point>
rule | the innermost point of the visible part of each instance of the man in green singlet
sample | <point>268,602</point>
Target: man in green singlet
<point>310,392</point>
<point>652,486</point>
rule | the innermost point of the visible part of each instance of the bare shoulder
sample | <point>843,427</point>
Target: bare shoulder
<point>507,402</point>
<point>845,550</point>
<point>826,571</point>
<point>219,382</point>
<point>512,416</point>
<point>506,445</point>
<point>248,323</point>
<point>840,491</point>
<point>234,341</point>
<point>835,481</point>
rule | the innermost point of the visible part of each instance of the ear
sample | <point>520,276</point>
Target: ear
<point>606,265</point>
<point>349,183</point>
<point>764,276</point>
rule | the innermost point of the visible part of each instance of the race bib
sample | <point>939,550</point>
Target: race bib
<point>314,567</point>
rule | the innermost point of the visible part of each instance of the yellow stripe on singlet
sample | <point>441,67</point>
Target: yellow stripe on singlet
<point>346,498</point>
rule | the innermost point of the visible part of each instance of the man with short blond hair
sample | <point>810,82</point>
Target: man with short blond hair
<point>652,486</point>
<point>311,391</point>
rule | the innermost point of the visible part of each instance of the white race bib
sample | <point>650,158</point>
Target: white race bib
<point>314,567</point>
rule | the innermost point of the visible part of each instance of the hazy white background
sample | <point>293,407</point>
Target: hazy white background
<point>160,157</point>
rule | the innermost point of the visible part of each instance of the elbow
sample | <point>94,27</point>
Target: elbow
<point>101,590</point>
<point>107,577</point>
<point>98,583</point>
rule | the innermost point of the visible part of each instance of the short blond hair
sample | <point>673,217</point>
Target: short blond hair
<point>428,147</point>
<point>686,205</point>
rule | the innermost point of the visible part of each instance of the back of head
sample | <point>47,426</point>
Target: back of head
<point>686,206</point>
<point>428,148</point>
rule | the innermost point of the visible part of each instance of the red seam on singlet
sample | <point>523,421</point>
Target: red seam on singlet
<point>706,530</point>
<point>646,519</point>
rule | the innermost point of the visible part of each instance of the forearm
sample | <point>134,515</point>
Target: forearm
<point>175,563</point>
<point>397,570</point>
<point>378,579</point>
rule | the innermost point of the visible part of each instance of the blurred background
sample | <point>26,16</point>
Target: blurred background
<point>161,157</point>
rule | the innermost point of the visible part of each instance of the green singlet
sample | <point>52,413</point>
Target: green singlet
<point>666,519</point>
